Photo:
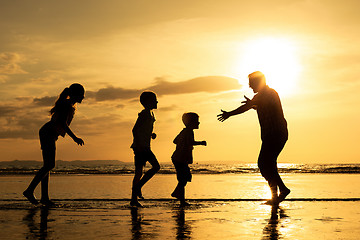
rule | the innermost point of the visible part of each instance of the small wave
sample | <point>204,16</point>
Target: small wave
<point>196,169</point>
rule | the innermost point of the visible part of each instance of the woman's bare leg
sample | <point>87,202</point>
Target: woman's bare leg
<point>45,188</point>
<point>49,163</point>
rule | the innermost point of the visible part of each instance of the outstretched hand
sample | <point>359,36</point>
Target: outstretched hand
<point>79,141</point>
<point>247,100</point>
<point>223,116</point>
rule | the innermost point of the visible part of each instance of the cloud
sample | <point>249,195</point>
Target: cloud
<point>9,63</point>
<point>45,101</point>
<point>3,78</point>
<point>168,108</point>
<point>112,93</point>
<point>103,124</point>
<point>24,120</point>
<point>23,126</point>
<point>21,120</point>
<point>6,110</point>
<point>23,133</point>
<point>209,84</point>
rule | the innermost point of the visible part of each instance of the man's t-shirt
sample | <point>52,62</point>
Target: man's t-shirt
<point>271,117</point>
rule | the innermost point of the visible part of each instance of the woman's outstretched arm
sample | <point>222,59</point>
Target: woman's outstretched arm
<point>79,141</point>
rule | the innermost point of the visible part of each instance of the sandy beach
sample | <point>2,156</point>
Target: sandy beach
<point>104,219</point>
<point>321,206</point>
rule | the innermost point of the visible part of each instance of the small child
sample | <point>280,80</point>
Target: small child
<point>143,133</point>
<point>182,155</point>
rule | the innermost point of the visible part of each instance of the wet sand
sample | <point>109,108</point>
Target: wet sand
<point>244,219</point>
<point>227,206</point>
<point>203,186</point>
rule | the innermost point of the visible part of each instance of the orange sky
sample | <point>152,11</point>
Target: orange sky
<point>118,48</point>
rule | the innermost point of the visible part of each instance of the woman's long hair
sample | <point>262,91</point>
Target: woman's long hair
<point>75,89</point>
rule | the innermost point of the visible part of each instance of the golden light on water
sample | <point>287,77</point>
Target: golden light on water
<point>277,58</point>
<point>265,192</point>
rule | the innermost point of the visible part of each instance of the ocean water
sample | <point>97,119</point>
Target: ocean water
<point>118,167</point>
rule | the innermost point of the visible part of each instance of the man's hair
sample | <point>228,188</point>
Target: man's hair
<point>189,118</point>
<point>256,77</point>
<point>146,96</point>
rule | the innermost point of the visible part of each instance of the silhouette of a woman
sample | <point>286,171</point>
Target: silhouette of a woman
<point>61,116</point>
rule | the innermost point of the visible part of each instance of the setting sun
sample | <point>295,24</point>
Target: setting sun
<point>276,58</point>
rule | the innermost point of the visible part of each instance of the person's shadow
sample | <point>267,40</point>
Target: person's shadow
<point>37,231</point>
<point>271,230</point>
<point>136,221</point>
<point>183,228</point>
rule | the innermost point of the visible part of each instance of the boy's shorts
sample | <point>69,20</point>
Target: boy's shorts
<point>183,173</point>
<point>141,157</point>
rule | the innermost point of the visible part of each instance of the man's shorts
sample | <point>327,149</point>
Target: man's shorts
<point>267,161</point>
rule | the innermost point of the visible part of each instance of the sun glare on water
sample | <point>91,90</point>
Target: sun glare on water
<point>276,58</point>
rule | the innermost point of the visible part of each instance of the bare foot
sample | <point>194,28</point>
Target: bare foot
<point>137,192</point>
<point>175,194</point>
<point>283,195</point>
<point>272,202</point>
<point>30,197</point>
<point>135,203</point>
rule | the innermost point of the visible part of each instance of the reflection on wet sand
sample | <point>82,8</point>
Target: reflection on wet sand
<point>162,220</point>
<point>136,228</point>
<point>183,228</point>
<point>37,231</point>
<point>271,230</point>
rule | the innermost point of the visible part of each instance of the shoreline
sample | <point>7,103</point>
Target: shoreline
<point>192,200</point>
<point>171,173</point>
